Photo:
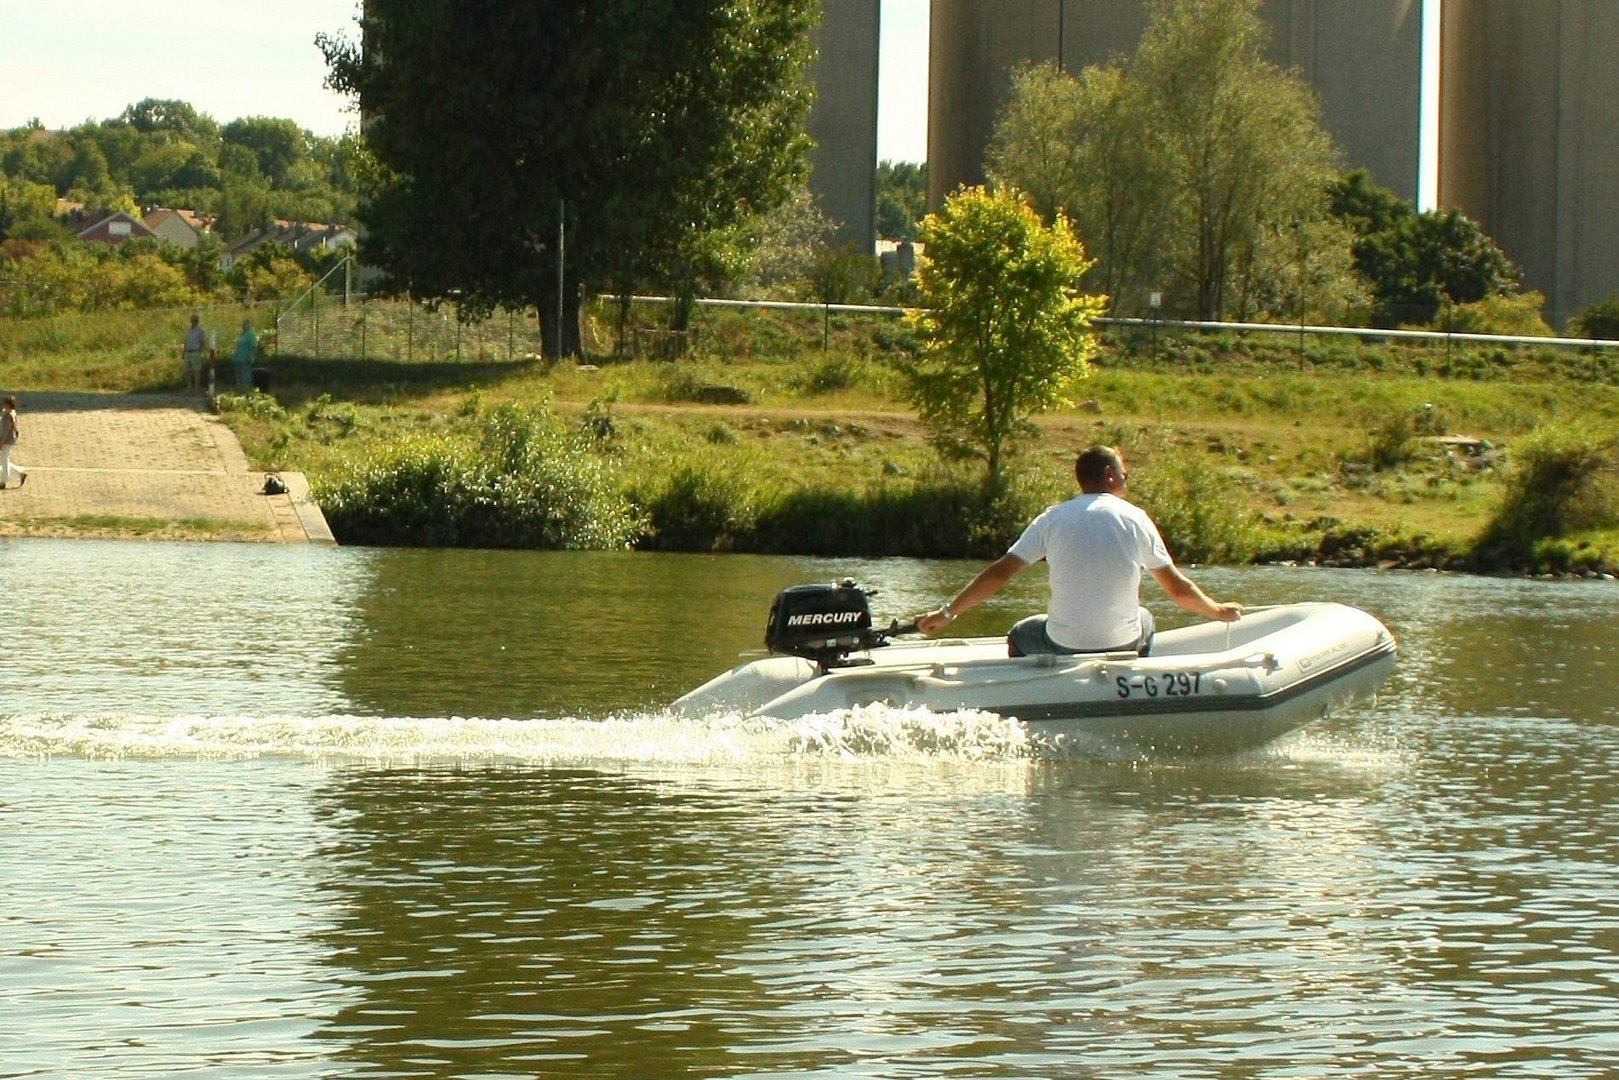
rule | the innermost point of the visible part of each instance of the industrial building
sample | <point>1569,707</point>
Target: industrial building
<point>843,120</point>
<point>1529,139</point>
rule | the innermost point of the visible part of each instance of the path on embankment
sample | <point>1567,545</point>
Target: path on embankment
<point>152,466</point>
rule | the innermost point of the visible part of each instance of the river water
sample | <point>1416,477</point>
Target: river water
<point>298,812</point>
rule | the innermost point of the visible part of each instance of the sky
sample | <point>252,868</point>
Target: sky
<point>67,61</point>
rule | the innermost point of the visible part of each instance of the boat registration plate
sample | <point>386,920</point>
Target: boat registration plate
<point>1166,684</point>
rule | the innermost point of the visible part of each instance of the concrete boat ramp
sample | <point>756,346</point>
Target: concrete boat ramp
<point>149,466</point>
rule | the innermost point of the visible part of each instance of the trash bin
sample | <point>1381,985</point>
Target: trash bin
<point>261,379</point>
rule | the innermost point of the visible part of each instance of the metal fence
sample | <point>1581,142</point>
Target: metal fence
<point>330,321</point>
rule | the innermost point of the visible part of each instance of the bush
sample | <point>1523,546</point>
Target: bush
<point>1600,320</point>
<point>940,517</point>
<point>717,502</point>
<point>512,479</point>
<point>1392,443</point>
<point>829,375</point>
<point>1562,479</point>
<point>1518,315</point>
<point>1201,511</point>
<point>703,504</point>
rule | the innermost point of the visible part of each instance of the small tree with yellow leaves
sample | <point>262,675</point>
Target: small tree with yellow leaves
<point>1005,329</point>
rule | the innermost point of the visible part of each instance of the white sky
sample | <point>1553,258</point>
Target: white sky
<point>67,61</point>
<point>1428,150</point>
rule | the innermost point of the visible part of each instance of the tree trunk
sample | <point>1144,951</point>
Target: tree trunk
<point>559,330</point>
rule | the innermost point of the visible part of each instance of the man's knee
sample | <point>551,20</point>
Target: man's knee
<point>1149,627</point>
<point>1028,637</point>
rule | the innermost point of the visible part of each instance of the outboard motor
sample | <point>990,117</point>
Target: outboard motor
<point>823,623</point>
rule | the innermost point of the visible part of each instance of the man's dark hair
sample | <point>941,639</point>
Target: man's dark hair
<point>1091,467</point>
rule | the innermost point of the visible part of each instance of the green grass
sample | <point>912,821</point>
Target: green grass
<point>1339,440</point>
<point>121,526</point>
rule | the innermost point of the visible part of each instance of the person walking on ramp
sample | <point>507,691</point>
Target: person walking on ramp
<point>8,442</point>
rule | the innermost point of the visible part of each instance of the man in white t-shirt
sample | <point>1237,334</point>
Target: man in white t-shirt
<point>1095,546</point>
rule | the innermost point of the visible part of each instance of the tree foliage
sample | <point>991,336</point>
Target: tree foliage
<point>1599,320</point>
<point>161,152</point>
<point>1417,263</point>
<point>1188,168</point>
<point>636,135</point>
<point>1004,325</point>
<point>902,198</point>
<point>1072,144</point>
<point>277,146</point>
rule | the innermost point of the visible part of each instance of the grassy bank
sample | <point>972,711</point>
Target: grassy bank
<point>792,434</point>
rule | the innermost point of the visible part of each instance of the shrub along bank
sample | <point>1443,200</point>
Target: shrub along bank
<point>470,471</point>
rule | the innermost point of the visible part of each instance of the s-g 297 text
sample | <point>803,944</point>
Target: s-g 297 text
<point>1167,684</point>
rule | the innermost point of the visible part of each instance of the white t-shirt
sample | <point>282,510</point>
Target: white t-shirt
<point>1095,547</point>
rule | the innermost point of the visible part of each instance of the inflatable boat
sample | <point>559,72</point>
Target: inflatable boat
<point>1208,688</point>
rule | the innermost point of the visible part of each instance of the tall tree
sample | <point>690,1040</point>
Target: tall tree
<point>1243,139</point>
<point>277,144</point>
<point>1079,147</point>
<point>179,118</point>
<point>624,132</point>
<point>1181,165</point>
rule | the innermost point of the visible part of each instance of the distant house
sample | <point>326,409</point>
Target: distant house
<point>182,228</point>
<point>302,236</point>
<point>115,228</point>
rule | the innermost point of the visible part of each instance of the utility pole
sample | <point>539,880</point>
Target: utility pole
<point>562,235</point>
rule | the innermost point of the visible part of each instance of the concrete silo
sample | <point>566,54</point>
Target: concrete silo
<point>843,120</point>
<point>1529,138</point>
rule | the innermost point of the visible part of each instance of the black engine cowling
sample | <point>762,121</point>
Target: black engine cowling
<point>823,623</point>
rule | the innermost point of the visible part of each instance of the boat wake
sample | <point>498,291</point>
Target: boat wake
<point>870,733</point>
<point>876,732</point>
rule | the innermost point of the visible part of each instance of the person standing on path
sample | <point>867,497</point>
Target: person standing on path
<point>196,344</point>
<point>247,351</point>
<point>8,441</point>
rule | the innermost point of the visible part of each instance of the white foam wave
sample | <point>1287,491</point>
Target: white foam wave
<point>873,733</point>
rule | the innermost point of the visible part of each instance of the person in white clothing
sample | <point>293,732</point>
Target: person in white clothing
<point>193,351</point>
<point>1095,546</point>
<point>8,443</point>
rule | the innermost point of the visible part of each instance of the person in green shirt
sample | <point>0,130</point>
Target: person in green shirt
<point>247,351</point>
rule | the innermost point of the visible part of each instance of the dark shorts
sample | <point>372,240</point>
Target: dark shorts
<point>1028,637</point>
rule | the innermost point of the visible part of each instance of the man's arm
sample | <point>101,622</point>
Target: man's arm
<point>981,588</point>
<point>1185,592</point>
